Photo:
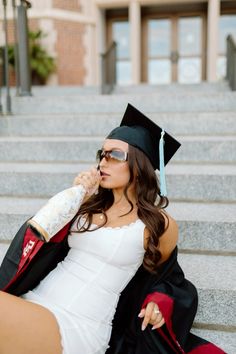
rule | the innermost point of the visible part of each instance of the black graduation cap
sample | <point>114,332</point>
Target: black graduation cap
<point>138,130</point>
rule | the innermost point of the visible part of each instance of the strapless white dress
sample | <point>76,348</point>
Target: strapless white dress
<point>83,290</point>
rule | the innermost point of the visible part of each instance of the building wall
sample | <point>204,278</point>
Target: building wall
<point>65,27</point>
<point>72,5</point>
<point>62,21</point>
<point>70,52</point>
<point>77,34</point>
<point>211,11</point>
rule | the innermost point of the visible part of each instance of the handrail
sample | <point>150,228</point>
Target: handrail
<point>1,79</point>
<point>22,70</point>
<point>108,69</point>
<point>231,62</point>
<point>6,65</point>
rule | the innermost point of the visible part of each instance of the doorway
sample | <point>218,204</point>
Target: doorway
<point>174,49</point>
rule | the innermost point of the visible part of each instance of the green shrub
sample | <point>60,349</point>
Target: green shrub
<point>41,64</point>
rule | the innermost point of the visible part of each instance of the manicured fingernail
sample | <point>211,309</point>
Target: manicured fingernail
<point>153,327</point>
<point>143,327</point>
<point>140,314</point>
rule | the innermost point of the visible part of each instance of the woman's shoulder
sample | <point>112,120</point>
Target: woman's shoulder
<point>170,222</point>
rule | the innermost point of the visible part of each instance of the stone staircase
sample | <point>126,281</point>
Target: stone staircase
<point>54,135</point>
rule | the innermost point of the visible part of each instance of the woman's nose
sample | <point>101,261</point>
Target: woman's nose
<point>103,162</point>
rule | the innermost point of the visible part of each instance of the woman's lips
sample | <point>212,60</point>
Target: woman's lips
<point>103,174</point>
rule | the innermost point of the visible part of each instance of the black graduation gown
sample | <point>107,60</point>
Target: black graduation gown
<point>28,260</point>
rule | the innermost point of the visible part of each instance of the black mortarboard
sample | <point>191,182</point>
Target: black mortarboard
<point>138,130</point>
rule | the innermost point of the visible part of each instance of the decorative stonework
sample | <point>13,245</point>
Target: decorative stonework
<point>42,4</point>
<point>72,5</point>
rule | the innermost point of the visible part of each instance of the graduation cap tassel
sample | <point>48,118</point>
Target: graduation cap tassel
<point>163,191</point>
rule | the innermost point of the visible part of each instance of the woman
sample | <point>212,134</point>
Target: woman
<point>113,263</point>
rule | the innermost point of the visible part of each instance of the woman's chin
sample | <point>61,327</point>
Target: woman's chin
<point>108,185</point>
<point>105,184</point>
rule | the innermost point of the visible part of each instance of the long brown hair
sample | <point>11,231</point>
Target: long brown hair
<point>149,204</point>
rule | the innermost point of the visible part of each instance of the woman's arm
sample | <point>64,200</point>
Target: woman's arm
<point>169,238</point>
<point>168,241</point>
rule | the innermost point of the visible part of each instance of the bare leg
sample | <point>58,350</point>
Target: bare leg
<point>27,328</point>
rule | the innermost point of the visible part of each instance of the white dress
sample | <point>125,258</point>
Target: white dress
<point>83,290</point>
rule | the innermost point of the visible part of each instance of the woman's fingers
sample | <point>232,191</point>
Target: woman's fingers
<point>141,313</point>
<point>148,314</point>
<point>89,179</point>
<point>158,324</point>
<point>151,315</point>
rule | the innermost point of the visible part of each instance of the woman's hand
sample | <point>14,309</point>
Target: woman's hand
<point>89,180</point>
<point>151,315</point>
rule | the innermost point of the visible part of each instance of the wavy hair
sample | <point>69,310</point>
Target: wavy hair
<point>149,204</point>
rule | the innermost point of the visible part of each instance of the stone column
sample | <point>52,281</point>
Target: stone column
<point>90,43</point>
<point>135,40</point>
<point>212,38</point>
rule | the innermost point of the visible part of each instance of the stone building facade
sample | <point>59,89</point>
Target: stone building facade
<point>159,41</point>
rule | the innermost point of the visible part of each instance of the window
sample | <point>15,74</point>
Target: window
<point>121,34</point>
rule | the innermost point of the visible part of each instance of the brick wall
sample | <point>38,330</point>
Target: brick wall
<point>71,5</point>
<point>70,52</point>
<point>69,47</point>
<point>33,24</point>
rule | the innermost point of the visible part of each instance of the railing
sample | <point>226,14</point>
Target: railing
<point>108,69</point>
<point>1,79</point>
<point>5,60</point>
<point>231,62</point>
<point>21,57</point>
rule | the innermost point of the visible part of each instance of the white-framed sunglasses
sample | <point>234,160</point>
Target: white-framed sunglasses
<point>115,155</point>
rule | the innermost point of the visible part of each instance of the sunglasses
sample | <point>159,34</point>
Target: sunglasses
<point>114,155</point>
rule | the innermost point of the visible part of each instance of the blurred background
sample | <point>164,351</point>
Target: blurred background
<point>158,41</point>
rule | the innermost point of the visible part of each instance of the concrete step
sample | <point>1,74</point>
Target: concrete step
<point>203,228</point>
<point>215,279</point>
<point>144,88</point>
<point>225,340</point>
<point>184,182</point>
<point>201,182</point>
<point>191,112</point>
<point>207,149</point>
<point>90,90</point>
<point>3,249</point>
<point>64,90</point>
<point>173,102</point>
<point>14,212</point>
<point>185,123</point>
<point>174,87</point>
